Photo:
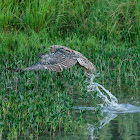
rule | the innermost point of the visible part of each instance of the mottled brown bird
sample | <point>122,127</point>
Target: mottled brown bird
<point>60,58</point>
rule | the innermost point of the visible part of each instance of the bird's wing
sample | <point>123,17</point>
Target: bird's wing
<point>54,62</point>
<point>37,66</point>
<point>83,61</point>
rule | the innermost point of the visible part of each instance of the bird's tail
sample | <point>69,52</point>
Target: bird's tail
<point>15,70</point>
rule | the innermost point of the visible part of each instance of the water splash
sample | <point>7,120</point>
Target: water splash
<point>109,104</point>
<point>110,108</point>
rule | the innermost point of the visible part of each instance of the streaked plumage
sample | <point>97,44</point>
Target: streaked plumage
<point>60,58</point>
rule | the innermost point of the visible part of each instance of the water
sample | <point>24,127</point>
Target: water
<point>110,110</point>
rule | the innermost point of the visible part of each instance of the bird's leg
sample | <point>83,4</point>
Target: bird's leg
<point>87,73</point>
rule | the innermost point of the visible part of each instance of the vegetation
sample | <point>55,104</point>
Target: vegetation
<point>106,32</point>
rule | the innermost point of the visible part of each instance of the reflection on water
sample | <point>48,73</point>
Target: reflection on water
<point>115,127</point>
<point>110,108</point>
<point>91,128</point>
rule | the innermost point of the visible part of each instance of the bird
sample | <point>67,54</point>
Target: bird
<point>60,58</point>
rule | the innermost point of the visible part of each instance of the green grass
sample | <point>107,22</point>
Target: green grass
<point>106,32</point>
<point>110,20</point>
